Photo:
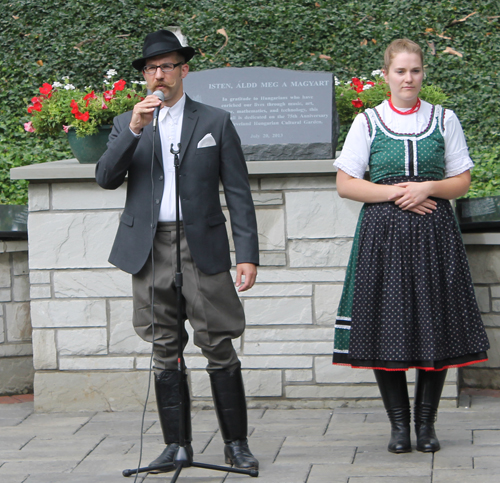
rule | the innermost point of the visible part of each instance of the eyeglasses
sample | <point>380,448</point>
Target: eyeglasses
<point>167,67</point>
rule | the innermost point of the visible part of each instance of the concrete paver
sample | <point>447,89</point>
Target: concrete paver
<point>344,445</point>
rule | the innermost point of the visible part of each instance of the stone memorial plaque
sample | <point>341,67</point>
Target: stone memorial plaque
<point>278,113</point>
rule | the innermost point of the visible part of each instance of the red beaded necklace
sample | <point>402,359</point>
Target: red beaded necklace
<point>415,108</point>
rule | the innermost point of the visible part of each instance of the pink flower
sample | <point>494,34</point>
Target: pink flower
<point>108,95</point>
<point>104,105</point>
<point>28,126</point>
<point>65,129</point>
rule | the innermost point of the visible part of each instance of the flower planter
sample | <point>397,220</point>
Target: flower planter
<point>479,214</point>
<point>89,149</point>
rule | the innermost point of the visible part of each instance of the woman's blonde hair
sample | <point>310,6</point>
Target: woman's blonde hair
<point>401,45</point>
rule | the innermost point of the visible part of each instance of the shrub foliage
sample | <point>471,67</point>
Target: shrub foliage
<point>44,41</point>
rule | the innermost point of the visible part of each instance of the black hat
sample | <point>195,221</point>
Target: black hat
<point>161,42</point>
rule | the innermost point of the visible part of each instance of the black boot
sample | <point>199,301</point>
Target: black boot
<point>169,412</point>
<point>394,392</point>
<point>231,409</point>
<point>428,389</point>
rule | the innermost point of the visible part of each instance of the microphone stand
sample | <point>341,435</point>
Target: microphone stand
<point>182,458</point>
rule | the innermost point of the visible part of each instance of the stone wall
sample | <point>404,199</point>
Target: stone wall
<point>16,361</point>
<point>86,354</point>
<point>483,252</point>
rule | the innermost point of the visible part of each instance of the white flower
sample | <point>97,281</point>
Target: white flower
<point>69,87</point>
<point>367,86</point>
<point>377,73</point>
<point>111,73</point>
<point>57,84</point>
<point>65,77</point>
<point>337,82</point>
<point>138,82</point>
<point>106,82</point>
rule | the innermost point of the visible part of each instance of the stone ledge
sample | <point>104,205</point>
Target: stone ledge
<point>72,169</point>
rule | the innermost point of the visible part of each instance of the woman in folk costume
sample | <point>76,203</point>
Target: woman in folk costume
<point>408,298</point>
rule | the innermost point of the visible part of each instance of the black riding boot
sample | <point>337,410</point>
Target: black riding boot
<point>168,402</point>
<point>428,389</point>
<point>231,409</point>
<point>394,392</point>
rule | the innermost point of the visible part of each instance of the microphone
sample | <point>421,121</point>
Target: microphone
<point>159,94</point>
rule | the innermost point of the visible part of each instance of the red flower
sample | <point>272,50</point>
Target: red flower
<point>36,99</point>
<point>45,89</point>
<point>74,105</point>
<point>82,116</point>
<point>108,95</point>
<point>37,106</point>
<point>359,88</point>
<point>370,83</point>
<point>356,81</point>
<point>89,96</point>
<point>119,85</point>
<point>357,103</point>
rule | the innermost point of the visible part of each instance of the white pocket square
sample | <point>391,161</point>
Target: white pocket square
<point>207,141</point>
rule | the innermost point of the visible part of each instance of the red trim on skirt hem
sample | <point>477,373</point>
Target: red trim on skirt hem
<point>451,366</point>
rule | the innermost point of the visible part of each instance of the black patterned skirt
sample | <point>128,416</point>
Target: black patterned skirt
<point>408,298</point>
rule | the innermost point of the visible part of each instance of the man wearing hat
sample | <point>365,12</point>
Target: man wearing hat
<point>210,153</point>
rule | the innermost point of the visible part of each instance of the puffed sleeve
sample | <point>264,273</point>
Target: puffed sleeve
<point>356,150</point>
<point>456,153</point>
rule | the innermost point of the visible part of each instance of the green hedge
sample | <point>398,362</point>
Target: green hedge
<point>43,41</point>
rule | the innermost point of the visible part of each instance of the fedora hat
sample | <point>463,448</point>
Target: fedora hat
<point>161,42</point>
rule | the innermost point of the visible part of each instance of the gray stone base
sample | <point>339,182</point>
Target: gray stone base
<point>16,375</point>
<point>481,378</point>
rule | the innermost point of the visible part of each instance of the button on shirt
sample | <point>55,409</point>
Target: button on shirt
<point>170,126</point>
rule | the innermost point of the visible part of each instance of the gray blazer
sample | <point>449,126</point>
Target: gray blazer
<point>200,171</point>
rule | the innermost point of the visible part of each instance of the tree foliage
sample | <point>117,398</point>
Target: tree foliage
<point>44,41</point>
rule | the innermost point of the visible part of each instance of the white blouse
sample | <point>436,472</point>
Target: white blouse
<point>355,154</point>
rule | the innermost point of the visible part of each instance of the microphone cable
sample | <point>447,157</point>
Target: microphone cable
<point>160,95</point>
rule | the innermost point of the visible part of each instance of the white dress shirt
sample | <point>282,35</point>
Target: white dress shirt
<point>170,126</point>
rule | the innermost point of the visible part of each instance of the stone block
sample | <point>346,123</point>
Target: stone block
<point>276,362</point>
<point>39,276</point>
<point>2,331</point>
<point>495,305</point>
<point>491,320</point>
<point>341,391</point>
<point>68,313</point>
<point>327,373</point>
<point>200,384</point>
<point>483,299</point>
<point>494,351</point>
<point>40,292</point>
<point>17,318</point>
<point>272,259</point>
<point>271,227</point>
<point>296,347</point>
<point>86,196</point>
<point>484,262</point>
<point>44,349</point>
<point>21,288</point>
<point>298,183</point>
<point>92,283</point>
<point>483,378</point>
<point>320,214</point>
<point>5,270</point>
<point>20,263</point>
<point>97,391</point>
<point>266,199</point>
<point>81,342</point>
<point>302,276</point>
<point>16,375</point>
<point>278,290</point>
<point>295,375</point>
<point>77,240</point>
<point>96,363</point>
<point>271,311</point>
<point>16,246</point>
<point>16,350</point>
<point>326,302</point>
<point>289,334</point>
<point>122,336</point>
<point>38,197</point>
<point>495,291</point>
<point>319,253</point>
<point>263,383</point>
<point>5,295</point>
